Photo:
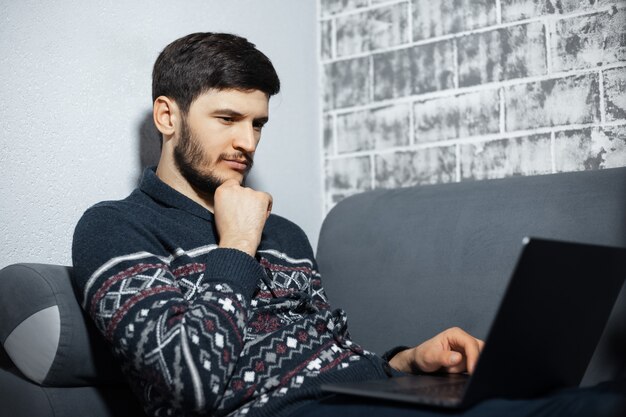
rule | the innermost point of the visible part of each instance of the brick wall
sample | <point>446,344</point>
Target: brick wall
<point>438,91</point>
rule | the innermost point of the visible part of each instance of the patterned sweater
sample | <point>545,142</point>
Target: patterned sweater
<point>201,330</point>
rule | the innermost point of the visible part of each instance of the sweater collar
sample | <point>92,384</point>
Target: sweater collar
<point>160,191</point>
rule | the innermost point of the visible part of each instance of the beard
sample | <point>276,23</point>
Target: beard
<point>191,162</point>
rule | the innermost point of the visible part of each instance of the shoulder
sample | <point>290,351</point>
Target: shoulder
<point>287,236</point>
<point>276,223</point>
<point>112,228</point>
<point>112,212</point>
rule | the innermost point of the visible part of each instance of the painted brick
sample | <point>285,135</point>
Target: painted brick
<point>379,128</point>
<point>347,83</point>
<point>353,132</point>
<point>590,149</point>
<point>326,36</point>
<point>506,157</point>
<point>424,166</point>
<point>589,41</point>
<point>328,135</point>
<point>571,100</point>
<point>523,9</point>
<point>442,17</point>
<point>347,176</point>
<point>460,116</point>
<point>433,67</point>
<point>415,70</point>
<point>330,7</point>
<point>377,28</point>
<point>568,6</point>
<point>502,54</point>
<point>393,74</point>
<point>615,94</point>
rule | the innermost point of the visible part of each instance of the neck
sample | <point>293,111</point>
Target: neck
<point>169,174</point>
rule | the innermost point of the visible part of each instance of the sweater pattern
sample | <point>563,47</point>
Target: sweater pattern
<point>203,330</point>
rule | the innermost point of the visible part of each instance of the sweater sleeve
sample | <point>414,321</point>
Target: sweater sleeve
<point>177,332</point>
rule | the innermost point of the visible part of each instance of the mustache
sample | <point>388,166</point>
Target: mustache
<point>238,156</point>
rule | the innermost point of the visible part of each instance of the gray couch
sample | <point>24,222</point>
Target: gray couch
<point>404,263</point>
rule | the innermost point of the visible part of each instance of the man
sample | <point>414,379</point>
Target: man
<point>211,304</point>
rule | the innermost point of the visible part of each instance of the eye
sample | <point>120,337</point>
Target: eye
<point>226,119</point>
<point>258,126</point>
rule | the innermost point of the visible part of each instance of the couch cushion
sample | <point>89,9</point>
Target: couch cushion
<point>44,331</point>
<point>22,398</point>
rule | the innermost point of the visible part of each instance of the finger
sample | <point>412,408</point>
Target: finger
<point>481,344</point>
<point>231,182</point>
<point>461,341</point>
<point>472,351</point>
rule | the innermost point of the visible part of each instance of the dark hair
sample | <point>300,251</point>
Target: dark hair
<point>198,62</point>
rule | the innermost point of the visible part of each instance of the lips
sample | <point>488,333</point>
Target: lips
<point>237,164</point>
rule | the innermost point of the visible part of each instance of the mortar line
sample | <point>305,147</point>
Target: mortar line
<point>499,11</point>
<point>410,20</point>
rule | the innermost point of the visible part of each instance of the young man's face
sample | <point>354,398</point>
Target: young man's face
<point>219,136</point>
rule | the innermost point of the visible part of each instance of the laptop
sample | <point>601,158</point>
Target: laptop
<point>549,322</point>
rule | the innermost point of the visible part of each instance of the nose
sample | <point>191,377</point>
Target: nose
<point>246,138</point>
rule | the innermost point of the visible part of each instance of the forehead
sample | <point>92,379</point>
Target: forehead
<point>249,102</point>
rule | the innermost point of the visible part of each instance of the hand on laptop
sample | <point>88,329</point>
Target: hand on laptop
<point>452,351</point>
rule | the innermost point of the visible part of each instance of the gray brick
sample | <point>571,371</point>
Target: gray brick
<point>506,157</point>
<point>502,54</point>
<point>328,135</point>
<point>568,6</point>
<point>588,41</point>
<point>326,36</point>
<point>590,149</point>
<point>347,176</point>
<point>433,67</point>
<point>393,74</point>
<point>615,94</point>
<point>415,70</point>
<point>523,9</point>
<point>353,132</point>
<point>442,17</point>
<point>424,166</point>
<point>347,83</point>
<point>555,102</point>
<point>456,117</point>
<point>378,128</point>
<point>377,28</point>
<point>330,7</point>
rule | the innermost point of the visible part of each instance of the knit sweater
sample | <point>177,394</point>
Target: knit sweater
<point>201,330</point>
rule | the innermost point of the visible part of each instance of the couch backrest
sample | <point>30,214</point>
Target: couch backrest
<point>408,263</point>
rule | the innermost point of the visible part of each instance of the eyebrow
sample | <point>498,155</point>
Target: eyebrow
<point>235,114</point>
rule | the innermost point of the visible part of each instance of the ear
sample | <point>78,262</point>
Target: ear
<point>165,114</point>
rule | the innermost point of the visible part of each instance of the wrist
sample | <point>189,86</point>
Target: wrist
<point>401,361</point>
<point>242,245</point>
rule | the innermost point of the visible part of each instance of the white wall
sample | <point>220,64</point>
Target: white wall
<point>76,102</point>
